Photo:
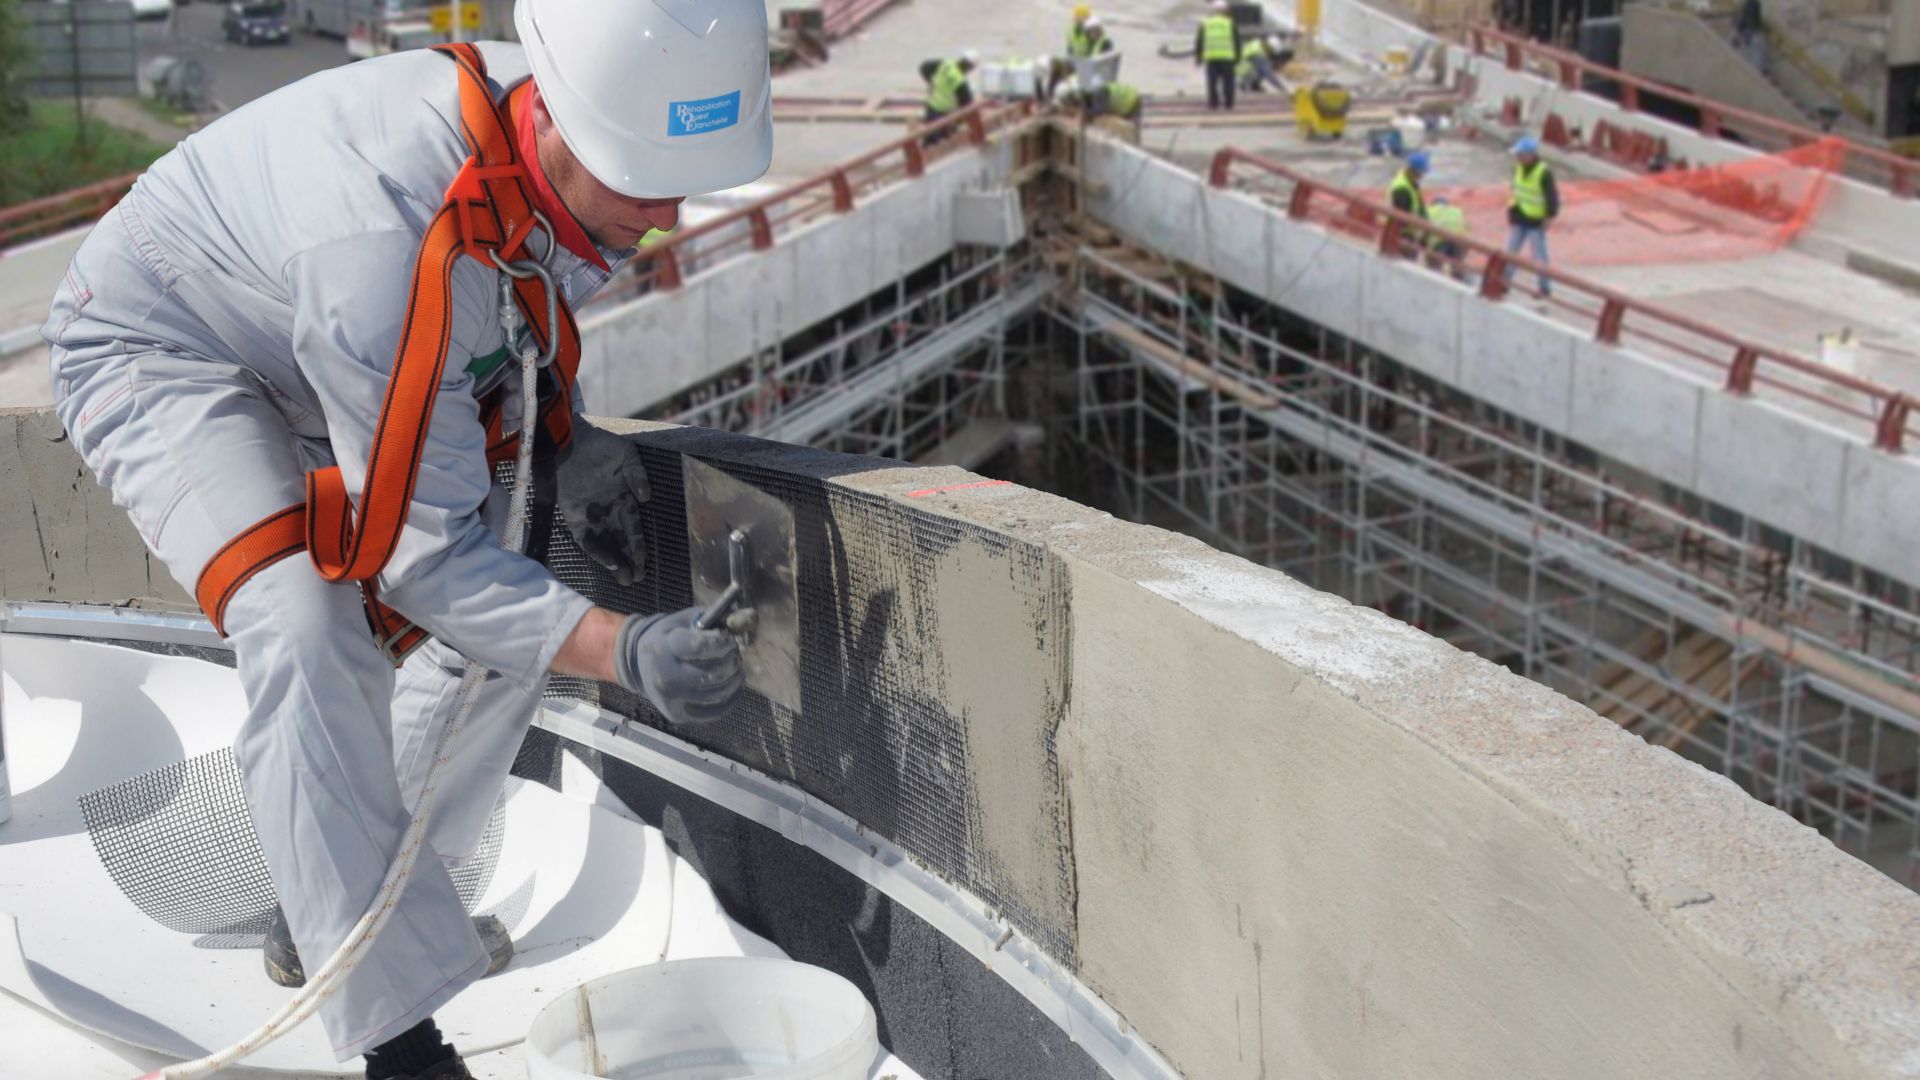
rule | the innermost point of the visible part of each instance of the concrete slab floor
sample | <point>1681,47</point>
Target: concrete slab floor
<point>1785,300</point>
<point>1781,300</point>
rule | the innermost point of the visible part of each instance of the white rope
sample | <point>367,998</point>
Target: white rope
<point>322,984</point>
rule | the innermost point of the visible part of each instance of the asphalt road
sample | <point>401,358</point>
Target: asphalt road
<point>239,73</point>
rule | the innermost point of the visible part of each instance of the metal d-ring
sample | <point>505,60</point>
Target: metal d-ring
<point>523,269</point>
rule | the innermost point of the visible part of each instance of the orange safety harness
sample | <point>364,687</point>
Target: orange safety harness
<point>486,215</point>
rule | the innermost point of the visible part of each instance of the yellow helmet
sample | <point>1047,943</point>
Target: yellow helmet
<point>1081,11</point>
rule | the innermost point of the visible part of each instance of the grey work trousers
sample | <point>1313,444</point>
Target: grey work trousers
<point>336,744</point>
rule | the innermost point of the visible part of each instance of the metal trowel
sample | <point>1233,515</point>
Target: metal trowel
<point>745,575</point>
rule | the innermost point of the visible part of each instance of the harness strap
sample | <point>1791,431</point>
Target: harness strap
<point>486,213</point>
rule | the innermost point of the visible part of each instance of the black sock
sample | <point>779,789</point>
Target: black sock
<point>414,1050</point>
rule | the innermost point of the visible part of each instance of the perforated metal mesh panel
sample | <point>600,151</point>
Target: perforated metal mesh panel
<point>180,844</point>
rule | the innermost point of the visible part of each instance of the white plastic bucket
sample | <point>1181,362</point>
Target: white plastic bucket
<point>712,1019</point>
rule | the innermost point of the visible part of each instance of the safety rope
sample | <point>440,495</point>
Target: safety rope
<point>325,982</point>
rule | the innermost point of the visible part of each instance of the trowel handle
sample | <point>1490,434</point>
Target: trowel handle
<point>715,616</point>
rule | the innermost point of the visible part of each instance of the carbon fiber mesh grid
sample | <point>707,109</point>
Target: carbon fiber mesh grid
<point>872,739</point>
<point>179,842</point>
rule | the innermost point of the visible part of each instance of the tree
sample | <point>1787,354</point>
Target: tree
<point>16,67</point>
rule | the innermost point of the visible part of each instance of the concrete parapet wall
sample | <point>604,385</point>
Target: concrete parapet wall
<point>1856,215</point>
<point>638,353</point>
<point>61,537</point>
<point>1823,484</point>
<point>1307,840</point>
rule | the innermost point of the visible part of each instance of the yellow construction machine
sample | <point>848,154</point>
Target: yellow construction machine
<point>1321,109</point>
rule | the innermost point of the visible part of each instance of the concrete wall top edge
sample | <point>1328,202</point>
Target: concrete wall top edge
<point>1810,945</point>
<point>1826,944</point>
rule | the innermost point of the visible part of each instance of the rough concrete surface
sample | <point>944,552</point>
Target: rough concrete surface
<point>1311,840</point>
<point>61,537</point>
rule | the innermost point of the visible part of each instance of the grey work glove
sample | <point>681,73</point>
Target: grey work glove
<point>691,675</point>
<point>601,485</point>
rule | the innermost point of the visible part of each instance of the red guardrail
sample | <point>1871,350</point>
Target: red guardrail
<point>842,17</point>
<point>834,191</point>
<point>1745,365</point>
<point>1897,174</point>
<point>42,217</point>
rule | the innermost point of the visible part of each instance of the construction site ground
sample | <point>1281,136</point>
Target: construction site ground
<point>1783,299</point>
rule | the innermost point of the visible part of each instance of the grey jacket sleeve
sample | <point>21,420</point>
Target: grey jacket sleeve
<point>448,573</point>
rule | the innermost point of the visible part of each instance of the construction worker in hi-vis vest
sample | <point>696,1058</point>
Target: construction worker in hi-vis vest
<point>1533,207</point>
<point>1216,46</point>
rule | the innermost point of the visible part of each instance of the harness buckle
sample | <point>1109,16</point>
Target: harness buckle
<point>474,206</point>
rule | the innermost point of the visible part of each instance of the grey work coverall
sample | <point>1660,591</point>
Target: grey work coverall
<point>230,326</point>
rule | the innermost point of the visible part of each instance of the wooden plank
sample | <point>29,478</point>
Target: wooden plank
<point>1691,720</point>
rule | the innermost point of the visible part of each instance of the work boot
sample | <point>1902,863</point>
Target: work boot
<point>282,960</point>
<point>418,1053</point>
<point>450,1069</point>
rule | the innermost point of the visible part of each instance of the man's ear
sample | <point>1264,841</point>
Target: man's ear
<point>542,119</point>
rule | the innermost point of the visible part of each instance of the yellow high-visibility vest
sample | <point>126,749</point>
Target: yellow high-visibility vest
<point>1122,99</point>
<point>1448,218</point>
<point>1216,38</point>
<point>1530,191</point>
<point>1079,45</point>
<point>943,95</point>
<point>1403,182</point>
<point>1254,47</point>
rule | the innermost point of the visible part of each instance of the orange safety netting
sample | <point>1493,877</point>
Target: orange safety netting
<point>1731,211</point>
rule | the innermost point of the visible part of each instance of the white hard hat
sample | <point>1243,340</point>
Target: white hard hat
<point>971,56</point>
<point>1091,22</point>
<point>657,98</point>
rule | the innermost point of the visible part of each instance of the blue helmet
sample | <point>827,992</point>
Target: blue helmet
<point>1527,145</point>
<point>1421,160</point>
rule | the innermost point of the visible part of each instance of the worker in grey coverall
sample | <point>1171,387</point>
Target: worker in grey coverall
<point>231,325</point>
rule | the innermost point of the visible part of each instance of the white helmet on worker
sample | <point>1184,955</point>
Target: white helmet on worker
<point>656,98</point>
<point>971,57</point>
<point>1091,22</point>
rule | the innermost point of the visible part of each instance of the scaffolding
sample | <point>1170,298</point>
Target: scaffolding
<point>898,375</point>
<point>1709,634</point>
<point>1172,399</point>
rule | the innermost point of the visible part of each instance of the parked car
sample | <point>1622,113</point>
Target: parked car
<point>151,9</point>
<point>256,23</point>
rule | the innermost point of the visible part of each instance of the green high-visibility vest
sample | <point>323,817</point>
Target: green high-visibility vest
<point>943,95</point>
<point>1403,182</point>
<point>1079,45</point>
<point>1216,40</point>
<point>1530,191</point>
<point>1122,99</point>
<point>1448,218</point>
<point>1251,49</point>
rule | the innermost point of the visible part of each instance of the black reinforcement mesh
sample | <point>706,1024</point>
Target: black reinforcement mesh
<point>872,739</point>
<point>179,842</point>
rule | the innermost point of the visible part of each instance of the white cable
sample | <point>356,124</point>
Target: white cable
<point>322,984</point>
